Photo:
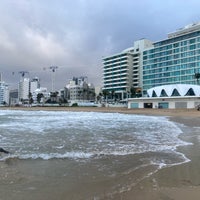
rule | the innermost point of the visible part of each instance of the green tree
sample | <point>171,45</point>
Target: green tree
<point>53,97</point>
<point>39,97</point>
<point>133,91</point>
<point>105,94</point>
<point>197,76</point>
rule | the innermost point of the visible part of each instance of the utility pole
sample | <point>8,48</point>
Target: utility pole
<point>53,70</point>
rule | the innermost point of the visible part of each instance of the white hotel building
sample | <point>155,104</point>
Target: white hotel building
<point>123,71</point>
<point>26,86</point>
<point>4,92</point>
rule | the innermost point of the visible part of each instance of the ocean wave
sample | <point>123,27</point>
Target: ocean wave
<point>48,156</point>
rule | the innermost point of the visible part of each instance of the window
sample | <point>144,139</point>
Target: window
<point>190,92</point>
<point>192,41</point>
<point>154,94</point>
<point>163,93</point>
<point>175,93</point>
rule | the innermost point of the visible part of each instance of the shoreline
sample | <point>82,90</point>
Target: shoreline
<point>179,182</point>
<point>142,111</point>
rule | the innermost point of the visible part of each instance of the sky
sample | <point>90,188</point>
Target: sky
<point>75,35</point>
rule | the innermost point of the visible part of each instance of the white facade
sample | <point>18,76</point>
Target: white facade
<point>79,89</point>
<point>40,90</point>
<point>24,89</point>
<point>4,93</point>
<point>164,102</point>
<point>34,84</point>
<point>123,71</point>
<point>185,30</point>
<point>174,90</point>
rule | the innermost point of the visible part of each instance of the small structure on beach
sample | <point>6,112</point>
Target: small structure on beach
<point>169,96</point>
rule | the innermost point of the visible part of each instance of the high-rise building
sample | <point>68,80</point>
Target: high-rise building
<point>123,71</point>
<point>175,60</point>
<point>14,97</point>
<point>34,84</point>
<point>24,89</point>
<point>4,93</point>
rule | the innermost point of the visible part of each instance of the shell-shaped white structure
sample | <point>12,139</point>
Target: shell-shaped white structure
<point>174,90</point>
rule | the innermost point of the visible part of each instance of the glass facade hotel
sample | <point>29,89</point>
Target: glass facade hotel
<point>174,60</point>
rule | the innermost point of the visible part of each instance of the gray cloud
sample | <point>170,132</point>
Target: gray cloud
<point>74,35</point>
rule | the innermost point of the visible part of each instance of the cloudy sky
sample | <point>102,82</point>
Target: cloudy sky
<point>75,34</point>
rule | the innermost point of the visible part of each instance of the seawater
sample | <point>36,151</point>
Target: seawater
<point>104,154</point>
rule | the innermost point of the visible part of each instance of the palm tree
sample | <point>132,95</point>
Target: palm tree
<point>197,76</point>
<point>133,91</point>
<point>105,94</point>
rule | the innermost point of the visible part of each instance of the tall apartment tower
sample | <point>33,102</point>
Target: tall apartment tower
<point>24,89</point>
<point>34,84</point>
<point>175,60</point>
<point>4,93</point>
<point>123,71</point>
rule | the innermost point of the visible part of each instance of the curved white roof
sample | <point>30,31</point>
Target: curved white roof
<point>171,90</point>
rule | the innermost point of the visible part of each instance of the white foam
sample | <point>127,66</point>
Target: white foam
<point>49,134</point>
<point>48,156</point>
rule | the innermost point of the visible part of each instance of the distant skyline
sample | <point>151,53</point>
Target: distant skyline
<point>75,35</point>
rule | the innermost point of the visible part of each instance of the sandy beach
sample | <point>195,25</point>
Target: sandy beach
<point>180,182</point>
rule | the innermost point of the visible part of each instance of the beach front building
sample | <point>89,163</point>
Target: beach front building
<point>79,90</point>
<point>24,89</point>
<point>123,71</point>
<point>171,71</point>
<point>175,60</point>
<point>169,96</point>
<point>13,97</point>
<point>34,84</point>
<point>4,93</point>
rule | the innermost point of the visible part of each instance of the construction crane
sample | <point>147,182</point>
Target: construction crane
<point>23,73</point>
<point>53,69</point>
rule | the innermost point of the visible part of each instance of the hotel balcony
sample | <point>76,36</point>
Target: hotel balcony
<point>116,71</point>
<point>115,58</point>
<point>110,77</point>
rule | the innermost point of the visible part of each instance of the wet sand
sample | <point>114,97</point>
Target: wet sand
<point>180,182</point>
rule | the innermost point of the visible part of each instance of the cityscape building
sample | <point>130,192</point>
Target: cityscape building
<point>4,93</point>
<point>24,89</point>
<point>40,94</point>
<point>78,89</point>
<point>34,84</point>
<point>123,71</point>
<point>175,60</point>
<point>14,100</point>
